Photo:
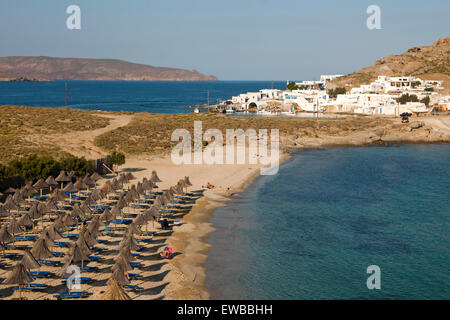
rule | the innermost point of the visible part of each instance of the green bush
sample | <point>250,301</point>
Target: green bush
<point>33,167</point>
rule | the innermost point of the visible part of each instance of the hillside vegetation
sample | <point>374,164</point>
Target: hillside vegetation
<point>426,62</point>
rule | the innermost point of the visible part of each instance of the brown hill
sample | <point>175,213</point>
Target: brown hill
<point>426,62</point>
<point>93,69</point>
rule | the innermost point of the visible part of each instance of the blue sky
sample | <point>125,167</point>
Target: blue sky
<point>233,39</point>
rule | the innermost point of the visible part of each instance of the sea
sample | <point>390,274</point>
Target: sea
<point>317,228</point>
<point>135,96</point>
<point>313,230</point>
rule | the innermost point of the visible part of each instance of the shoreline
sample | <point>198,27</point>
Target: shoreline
<point>195,247</point>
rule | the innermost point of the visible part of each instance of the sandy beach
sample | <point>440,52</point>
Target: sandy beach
<point>183,276</point>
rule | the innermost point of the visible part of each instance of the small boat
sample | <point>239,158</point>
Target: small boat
<point>196,110</point>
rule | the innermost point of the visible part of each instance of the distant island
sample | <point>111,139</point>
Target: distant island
<point>49,68</point>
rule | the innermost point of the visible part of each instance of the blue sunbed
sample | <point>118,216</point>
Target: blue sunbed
<point>69,235</point>
<point>116,228</point>
<point>129,215</point>
<point>134,264</point>
<point>40,274</point>
<point>17,246</point>
<point>49,263</point>
<point>32,287</point>
<point>130,287</point>
<point>133,276</point>
<point>122,221</point>
<point>10,255</point>
<point>94,258</point>
<point>58,254</point>
<point>61,244</point>
<point>26,238</point>
<point>72,295</point>
<point>89,269</point>
<point>80,280</point>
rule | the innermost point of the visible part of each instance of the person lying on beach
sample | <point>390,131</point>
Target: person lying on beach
<point>228,192</point>
<point>208,186</point>
<point>166,253</point>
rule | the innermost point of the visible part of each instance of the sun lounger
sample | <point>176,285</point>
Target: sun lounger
<point>72,295</point>
<point>61,244</point>
<point>129,215</point>
<point>58,254</point>
<point>40,274</point>
<point>134,264</point>
<point>102,207</point>
<point>102,240</point>
<point>80,280</point>
<point>147,233</point>
<point>69,235</point>
<point>167,211</point>
<point>31,287</point>
<point>2,264</point>
<point>133,276</point>
<point>49,263</point>
<point>17,246</point>
<point>116,228</point>
<point>10,255</point>
<point>89,269</point>
<point>94,258</point>
<point>26,238</point>
<point>123,221</point>
<point>130,287</point>
<point>143,240</point>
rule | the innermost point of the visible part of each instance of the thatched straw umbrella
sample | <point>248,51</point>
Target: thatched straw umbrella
<point>129,242</point>
<point>187,181</point>
<point>51,182</point>
<point>5,236</point>
<point>114,291</point>
<point>29,261</point>
<point>77,253</point>
<point>47,238</point>
<point>80,185</point>
<point>26,221</point>
<point>53,232</point>
<point>69,220</point>
<point>107,217</point>
<point>3,211</point>
<point>18,197</point>
<point>14,227</point>
<point>19,275</point>
<point>95,177</point>
<point>182,184</point>
<point>70,188</point>
<point>119,275</point>
<point>154,177</point>
<point>107,188</point>
<point>40,250</point>
<point>62,177</point>
<point>34,212</point>
<point>130,176</point>
<point>72,174</point>
<point>40,185</point>
<point>121,263</point>
<point>9,204</point>
<point>88,181</point>
<point>59,225</point>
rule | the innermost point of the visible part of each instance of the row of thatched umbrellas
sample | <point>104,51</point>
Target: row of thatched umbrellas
<point>79,252</point>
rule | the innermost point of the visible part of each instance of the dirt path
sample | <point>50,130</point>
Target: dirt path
<point>81,143</point>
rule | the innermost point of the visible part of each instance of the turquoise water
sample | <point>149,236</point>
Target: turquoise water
<point>311,231</point>
<point>135,96</point>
